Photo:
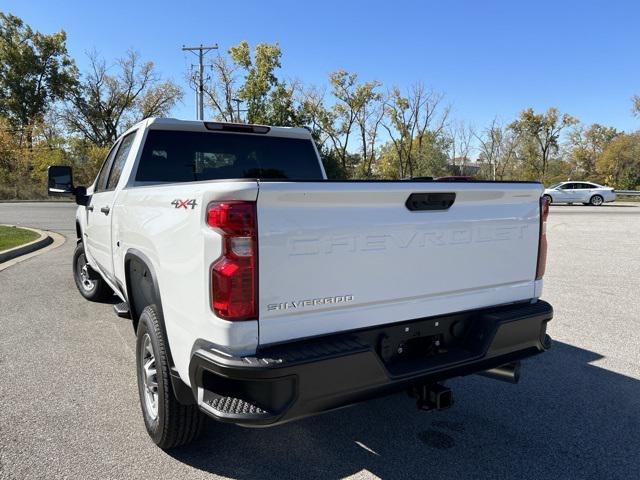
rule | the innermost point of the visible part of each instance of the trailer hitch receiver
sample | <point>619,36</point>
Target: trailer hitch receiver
<point>432,396</point>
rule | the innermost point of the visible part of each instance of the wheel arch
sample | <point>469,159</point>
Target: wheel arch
<point>139,297</point>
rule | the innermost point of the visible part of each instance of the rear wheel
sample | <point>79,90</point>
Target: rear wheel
<point>169,423</point>
<point>596,200</point>
<point>90,284</point>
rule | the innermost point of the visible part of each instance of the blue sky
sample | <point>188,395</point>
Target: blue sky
<point>490,58</point>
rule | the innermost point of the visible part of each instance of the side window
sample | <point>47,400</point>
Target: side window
<point>120,159</point>
<point>101,183</point>
<point>567,186</point>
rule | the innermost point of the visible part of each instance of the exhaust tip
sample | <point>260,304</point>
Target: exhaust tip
<point>509,372</point>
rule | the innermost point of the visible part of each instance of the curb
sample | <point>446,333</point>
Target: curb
<point>20,250</point>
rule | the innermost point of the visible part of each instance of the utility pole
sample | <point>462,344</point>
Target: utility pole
<point>200,51</point>
<point>238,101</point>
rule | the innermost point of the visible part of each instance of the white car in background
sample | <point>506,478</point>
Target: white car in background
<point>588,193</point>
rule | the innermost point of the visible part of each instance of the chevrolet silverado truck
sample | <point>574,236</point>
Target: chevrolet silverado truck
<point>261,292</point>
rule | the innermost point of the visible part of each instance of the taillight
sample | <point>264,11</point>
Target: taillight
<point>234,275</point>
<point>542,241</point>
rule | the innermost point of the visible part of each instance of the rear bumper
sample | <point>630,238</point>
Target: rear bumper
<point>301,378</point>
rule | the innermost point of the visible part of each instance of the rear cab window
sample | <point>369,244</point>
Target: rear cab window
<point>183,156</point>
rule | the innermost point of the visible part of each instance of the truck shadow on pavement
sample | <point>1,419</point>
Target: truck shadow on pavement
<point>566,419</point>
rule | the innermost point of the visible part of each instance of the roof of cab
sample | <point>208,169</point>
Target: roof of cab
<point>199,126</point>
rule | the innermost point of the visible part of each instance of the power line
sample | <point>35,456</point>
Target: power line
<point>200,51</point>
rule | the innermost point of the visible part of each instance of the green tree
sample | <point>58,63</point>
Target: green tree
<point>259,80</point>
<point>283,108</point>
<point>104,105</point>
<point>8,151</point>
<point>587,144</point>
<point>266,98</point>
<point>543,129</point>
<point>352,109</point>
<point>35,72</point>
<point>414,115</point>
<point>429,157</point>
<point>619,164</point>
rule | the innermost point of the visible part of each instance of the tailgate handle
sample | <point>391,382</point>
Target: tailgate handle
<point>430,201</point>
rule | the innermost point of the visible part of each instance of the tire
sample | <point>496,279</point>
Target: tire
<point>169,423</point>
<point>596,201</point>
<point>89,283</point>
<point>549,199</point>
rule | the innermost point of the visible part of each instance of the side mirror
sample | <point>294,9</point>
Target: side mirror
<point>60,180</point>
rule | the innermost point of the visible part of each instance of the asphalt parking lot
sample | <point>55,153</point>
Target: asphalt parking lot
<point>69,405</point>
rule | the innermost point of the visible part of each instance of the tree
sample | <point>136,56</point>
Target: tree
<point>460,137</point>
<point>35,72</point>
<point>223,89</point>
<point>259,77</point>
<point>104,105</point>
<point>492,142</point>
<point>315,115</point>
<point>544,130</point>
<point>8,151</point>
<point>283,107</point>
<point>268,99</point>
<point>415,116</point>
<point>620,162</point>
<point>430,155</point>
<point>369,115</point>
<point>351,100</point>
<point>587,144</point>
<point>636,105</point>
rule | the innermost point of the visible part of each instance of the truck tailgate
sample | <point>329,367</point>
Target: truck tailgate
<point>337,256</point>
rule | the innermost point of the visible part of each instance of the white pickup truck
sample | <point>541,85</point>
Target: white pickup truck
<point>261,292</point>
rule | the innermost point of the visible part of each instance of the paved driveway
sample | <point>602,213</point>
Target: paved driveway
<point>69,406</point>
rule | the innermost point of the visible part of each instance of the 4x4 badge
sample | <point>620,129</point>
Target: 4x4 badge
<point>177,203</point>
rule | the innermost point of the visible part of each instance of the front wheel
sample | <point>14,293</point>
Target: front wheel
<point>90,284</point>
<point>596,200</point>
<point>169,423</point>
<point>548,198</point>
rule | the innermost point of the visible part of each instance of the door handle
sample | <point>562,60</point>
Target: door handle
<point>105,210</point>
<point>90,208</point>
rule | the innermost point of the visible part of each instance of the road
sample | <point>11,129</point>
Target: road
<point>69,406</point>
